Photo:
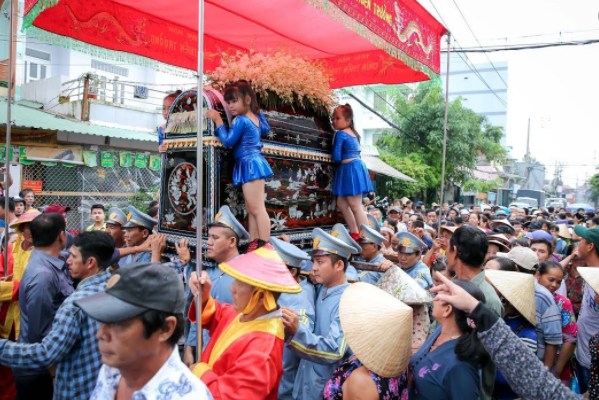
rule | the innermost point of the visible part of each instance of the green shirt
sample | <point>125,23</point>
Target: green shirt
<point>492,301</point>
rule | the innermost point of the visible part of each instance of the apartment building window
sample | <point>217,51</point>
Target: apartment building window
<point>37,65</point>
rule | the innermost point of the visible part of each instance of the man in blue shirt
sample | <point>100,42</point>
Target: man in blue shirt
<point>137,229</point>
<point>409,254</point>
<point>370,241</point>
<point>44,286</point>
<point>71,344</point>
<point>322,349</point>
<point>224,236</point>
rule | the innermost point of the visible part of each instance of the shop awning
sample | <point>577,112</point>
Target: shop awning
<point>359,42</point>
<point>378,166</point>
<point>28,117</point>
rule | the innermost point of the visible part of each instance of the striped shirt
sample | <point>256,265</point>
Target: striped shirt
<point>549,320</point>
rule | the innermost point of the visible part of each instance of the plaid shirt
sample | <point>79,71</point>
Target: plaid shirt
<point>71,344</point>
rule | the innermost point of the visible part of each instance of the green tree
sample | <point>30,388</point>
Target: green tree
<point>593,191</point>
<point>420,142</point>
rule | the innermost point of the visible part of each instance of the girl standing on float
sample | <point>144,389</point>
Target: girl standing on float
<point>251,168</point>
<point>351,179</point>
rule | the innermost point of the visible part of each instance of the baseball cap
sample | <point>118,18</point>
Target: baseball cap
<point>135,289</point>
<point>524,257</point>
<point>56,208</point>
<point>539,234</point>
<point>590,234</point>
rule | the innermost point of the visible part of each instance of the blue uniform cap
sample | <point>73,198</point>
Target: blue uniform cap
<point>225,217</point>
<point>342,234</point>
<point>369,235</point>
<point>291,255</point>
<point>116,216</point>
<point>373,223</point>
<point>324,244</point>
<point>306,267</point>
<point>136,218</point>
<point>410,243</point>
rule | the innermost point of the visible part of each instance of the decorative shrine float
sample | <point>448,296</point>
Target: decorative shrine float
<point>295,96</point>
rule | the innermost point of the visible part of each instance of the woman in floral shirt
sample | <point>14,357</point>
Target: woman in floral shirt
<point>550,275</point>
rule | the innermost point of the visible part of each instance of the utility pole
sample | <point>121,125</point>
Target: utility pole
<point>527,156</point>
<point>85,100</point>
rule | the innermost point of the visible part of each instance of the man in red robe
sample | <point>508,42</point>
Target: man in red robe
<point>244,358</point>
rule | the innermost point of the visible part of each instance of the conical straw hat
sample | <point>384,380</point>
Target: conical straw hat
<point>262,268</point>
<point>591,276</point>
<point>517,288</point>
<point>378,328</point>
<point>563,231</point>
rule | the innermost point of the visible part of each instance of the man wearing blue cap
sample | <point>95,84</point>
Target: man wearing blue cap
<point>409,254</point>
<point>225,234</point>
<point>322,349</point>
<point>137,229</point>
<point>300,303</point>
<point>370,241</point>
<point>114,226</point>
<point>340,232</point>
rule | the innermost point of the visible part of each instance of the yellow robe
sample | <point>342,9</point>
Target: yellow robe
<point>9,290</point>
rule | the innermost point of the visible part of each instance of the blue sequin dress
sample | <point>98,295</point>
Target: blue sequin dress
<point>351,178</point>
<point>244,137</point>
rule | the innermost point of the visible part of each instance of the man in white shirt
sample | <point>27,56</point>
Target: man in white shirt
<point>141,321</point>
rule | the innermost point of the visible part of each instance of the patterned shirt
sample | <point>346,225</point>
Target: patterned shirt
<point>569,329</point>
<point>173,381</point>
<point>71,344</point>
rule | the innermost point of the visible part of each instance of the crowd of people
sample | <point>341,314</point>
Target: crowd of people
<point>423,304</point>
<point>449,302</point>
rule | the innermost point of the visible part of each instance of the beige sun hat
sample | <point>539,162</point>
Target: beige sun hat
<point>450,229</point>
<point>500,240</point>
<point>517,288</point>
<point>563,231</point>
<point>591,276</point>
<point>365,311</point>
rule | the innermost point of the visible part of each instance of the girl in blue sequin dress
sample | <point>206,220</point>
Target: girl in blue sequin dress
<point>251,168</point>
<point>352,179</point>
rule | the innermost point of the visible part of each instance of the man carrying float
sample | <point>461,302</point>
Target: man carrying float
<point>244,358</point>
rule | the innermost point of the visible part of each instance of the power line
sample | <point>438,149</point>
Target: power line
<point>477,41</point>
<point>493,49</point>
<point>372,110</point>
<point>466,60</point>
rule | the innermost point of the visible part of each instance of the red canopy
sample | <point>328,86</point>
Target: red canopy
<point>360,41</point>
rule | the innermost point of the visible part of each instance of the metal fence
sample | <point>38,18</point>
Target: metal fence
<point>80,186</point>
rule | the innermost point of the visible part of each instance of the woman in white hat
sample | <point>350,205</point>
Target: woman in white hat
<point>562,244</point>
<point>447,366</point>
<point>517,294</point>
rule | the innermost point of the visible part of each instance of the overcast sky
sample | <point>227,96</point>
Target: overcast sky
<point>558,88</point>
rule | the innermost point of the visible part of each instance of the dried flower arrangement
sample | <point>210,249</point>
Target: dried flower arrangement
<point>279,79</point>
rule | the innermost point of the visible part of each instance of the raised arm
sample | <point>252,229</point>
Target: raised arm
<point>230,137</point>
<point>53,348</point>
